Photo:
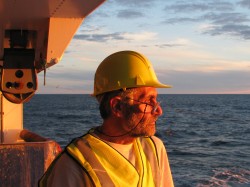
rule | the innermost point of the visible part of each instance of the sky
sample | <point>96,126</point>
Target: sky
<point>197,46</point>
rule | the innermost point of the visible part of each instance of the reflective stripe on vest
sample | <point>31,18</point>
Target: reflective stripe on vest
<point>107,167</point>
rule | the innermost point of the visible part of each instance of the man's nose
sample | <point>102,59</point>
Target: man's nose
<point>158,111</point>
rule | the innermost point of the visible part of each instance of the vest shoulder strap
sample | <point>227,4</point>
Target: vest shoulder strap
<point>149,144</point>
<point>81,147</point>
<point>149,147</point>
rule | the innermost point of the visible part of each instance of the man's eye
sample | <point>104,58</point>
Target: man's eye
<point>150,102</point>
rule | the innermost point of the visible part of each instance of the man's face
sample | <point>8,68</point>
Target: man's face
<point>142,112</point>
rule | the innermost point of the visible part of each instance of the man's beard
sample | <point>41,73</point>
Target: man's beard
<point>140,125</point>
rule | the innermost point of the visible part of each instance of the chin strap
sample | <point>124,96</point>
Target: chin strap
<point>126,133</point>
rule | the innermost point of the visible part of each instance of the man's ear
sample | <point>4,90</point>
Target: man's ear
<point>115,106</point>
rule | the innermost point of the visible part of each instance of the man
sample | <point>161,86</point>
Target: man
<point>123,151</point>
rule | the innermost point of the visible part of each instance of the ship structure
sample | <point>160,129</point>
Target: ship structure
<point>33,36</point>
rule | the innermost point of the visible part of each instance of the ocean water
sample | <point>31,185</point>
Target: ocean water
<point>207,136</point>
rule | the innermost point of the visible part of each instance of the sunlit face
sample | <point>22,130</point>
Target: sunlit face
<point>140,117</point>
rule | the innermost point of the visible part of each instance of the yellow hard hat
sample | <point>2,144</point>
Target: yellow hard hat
<point>125,69</point>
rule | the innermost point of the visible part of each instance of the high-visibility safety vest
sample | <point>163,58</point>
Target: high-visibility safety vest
<point>107,167</point>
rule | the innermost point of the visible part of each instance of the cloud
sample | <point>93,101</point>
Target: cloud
<point>245,3</point>
<point>226,18</point>
<point>176,43</point>
<point>187,7</point>
<point>178,20</point>
<point>230,24</point>
<point>242,31</point>
<point>141,36</point>
<point>168,45</point>
<point>67,51</point>
<point>135,3</point>
<point>222,17</point>
<point>129,14</point>
<point>100,37</point>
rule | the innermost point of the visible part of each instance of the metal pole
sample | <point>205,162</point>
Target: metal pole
<point>1,112</point>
